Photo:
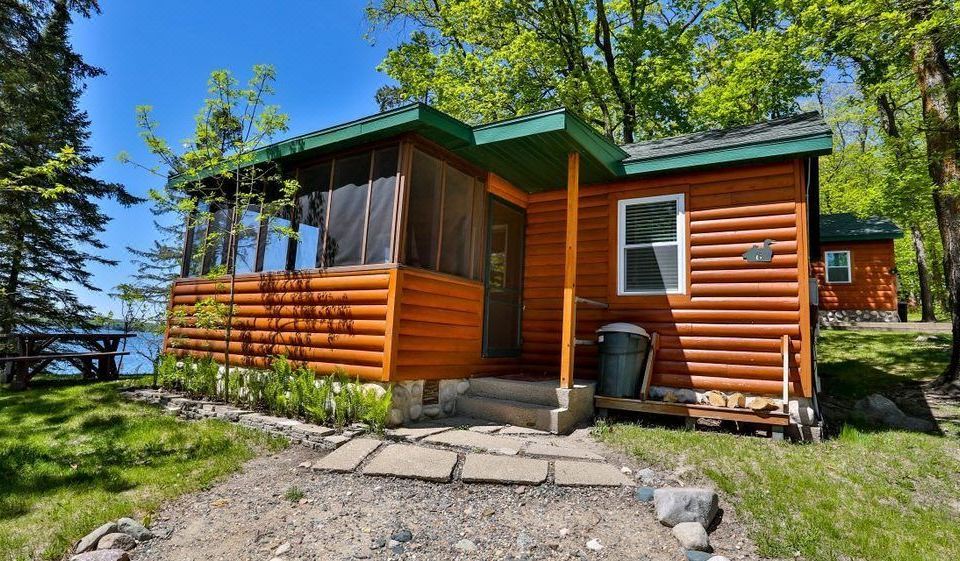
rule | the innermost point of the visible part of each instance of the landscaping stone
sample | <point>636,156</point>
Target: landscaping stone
<point>404,460</point>
<point>282,548</point>
<point>538,449</point>
<point>694,555</point>
<point>475,440</point>
<point>879,410</point>
<point>647,475</point>
<point>718,558</point>
<point>489,468</point>
<point>347,457</point>
<point>336,440</point>
<point>692,535</point>
<point>117,540</point>
<point>644,494</point>
<point>134,529</point>
<point>675,505</point>
<point>522,431</point>
<point>465,546</point>
<point>412,434</point>
<point>402,535</point>
<point>90,541</point>
<point>594,545</point>
<point>102,555</point>
<point>583,474</point>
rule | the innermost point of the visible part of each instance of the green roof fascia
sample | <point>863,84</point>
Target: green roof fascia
<point>817,145</point>
<point>414,117</point>
<point>861,237</point>
<point>592,144</point>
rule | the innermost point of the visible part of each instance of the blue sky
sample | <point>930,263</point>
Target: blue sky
<point>326,74</point>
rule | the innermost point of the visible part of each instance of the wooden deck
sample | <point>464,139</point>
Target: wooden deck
<point>692,410</point>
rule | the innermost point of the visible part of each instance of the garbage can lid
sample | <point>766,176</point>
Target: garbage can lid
<point>621,327</point>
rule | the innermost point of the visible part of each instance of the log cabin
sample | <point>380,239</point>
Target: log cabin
<point>469,267</point>
<point>856,269</point>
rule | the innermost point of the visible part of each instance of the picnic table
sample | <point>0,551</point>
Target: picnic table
<point>96,356</point>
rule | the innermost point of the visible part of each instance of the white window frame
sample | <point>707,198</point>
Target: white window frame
<point>681,244</point>
<point>827,267</point>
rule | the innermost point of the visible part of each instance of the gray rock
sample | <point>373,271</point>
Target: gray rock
<point>678,504</point>
<point>718,558</point>
<point>102,555</point>
<point>282,548</point>
<point>879,410</point>
<point>403,535</point>
<point>692,535</point>
<point>647,475</point>
<point>525,541</point>
<point>594,545</point>
<point>134,529</point>
<point>89,541</point>
<point>117,540</point>
<point>694,555</point>
<point>465,546</point>
<point>643,494</point>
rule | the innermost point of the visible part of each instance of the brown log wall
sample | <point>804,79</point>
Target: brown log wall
<point>322,320</point>
<point>874,285</point>
<point>724,333</point>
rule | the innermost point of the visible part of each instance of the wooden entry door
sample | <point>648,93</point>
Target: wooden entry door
<point>503,279</point>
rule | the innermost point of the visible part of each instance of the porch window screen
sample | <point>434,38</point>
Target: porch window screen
<point>311,209</point>
<point>651,245</point>
<point>838,267</point>
<point>444,218</point>
<point>248,232</point>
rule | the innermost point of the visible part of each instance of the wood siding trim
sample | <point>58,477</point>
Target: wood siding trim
<point>391,334</point>
<point>502,188</point>
<point>804,273</point>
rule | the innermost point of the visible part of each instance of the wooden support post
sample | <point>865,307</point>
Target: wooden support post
<point>648,368</point>
<point>785,346</point>
<point>570,273</point>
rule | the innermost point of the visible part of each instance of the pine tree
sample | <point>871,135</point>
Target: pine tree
<point>47,242</point>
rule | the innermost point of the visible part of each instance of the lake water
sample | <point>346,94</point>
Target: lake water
<point>133,363</point>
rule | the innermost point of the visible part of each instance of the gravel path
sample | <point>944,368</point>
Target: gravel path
<point>349,516</point>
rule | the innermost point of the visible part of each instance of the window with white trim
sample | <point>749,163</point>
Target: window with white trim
<point>651,246</point>
<point>838,267</point>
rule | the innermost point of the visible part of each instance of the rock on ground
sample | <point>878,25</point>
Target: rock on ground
<point>879,410</point>
<point>90,541</point>
<point>117,540</point>
<point>134,529</point>
<point>102,555</point>
<point>465,546</point>
<point>692,535</point>
<point>680,504</point>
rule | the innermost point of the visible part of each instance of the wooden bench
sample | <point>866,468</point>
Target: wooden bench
<point>101,365</point>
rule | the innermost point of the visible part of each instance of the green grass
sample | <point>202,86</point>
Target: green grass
<point>74,455</point>
<point>867,494</point>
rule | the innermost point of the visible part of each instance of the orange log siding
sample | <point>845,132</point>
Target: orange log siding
<point>322,320</point>
<point>724,332</point>
<point>873,286</point>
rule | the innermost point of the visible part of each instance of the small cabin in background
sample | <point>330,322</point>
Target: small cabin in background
<point>856,270</point>
<point>471,266</point>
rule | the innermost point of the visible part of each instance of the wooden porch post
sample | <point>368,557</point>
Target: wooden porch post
<point>570,273</point>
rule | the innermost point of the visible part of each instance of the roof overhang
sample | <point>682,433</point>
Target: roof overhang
<point>797,147</point>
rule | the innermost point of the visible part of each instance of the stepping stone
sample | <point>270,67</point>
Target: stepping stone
<point>587,474</point>
<point>313,430</point>
<point>414,462</point>
<point>347,457</point>
<point>524,431</point>
<point>476,440</point>
<point>412,434</point>
<point>488,468</point>
<point>336,440</point>
<point>486,429</point>
<point>537,449</point>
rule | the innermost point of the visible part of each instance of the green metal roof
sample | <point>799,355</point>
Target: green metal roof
<point>849,227</point>
<point>531,151</point>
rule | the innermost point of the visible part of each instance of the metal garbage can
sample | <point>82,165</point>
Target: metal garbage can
<point>623,353</point>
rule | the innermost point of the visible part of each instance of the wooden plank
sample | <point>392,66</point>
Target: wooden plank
<point>568,344</point>
<point>803,274</point>
<point>786,373</point>
<point>648,368</point>
<point>392,334</point>
<point>692,410</point>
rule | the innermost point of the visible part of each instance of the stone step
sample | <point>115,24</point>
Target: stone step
<point>506,411</point>
<point>540,393</point>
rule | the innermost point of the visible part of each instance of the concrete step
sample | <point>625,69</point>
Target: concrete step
<point>506,411</point>
<point>539,393</point>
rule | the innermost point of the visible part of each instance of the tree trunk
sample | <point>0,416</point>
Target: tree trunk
<point>8,312</point>
<point>942,135</point>
<point>923,273</point>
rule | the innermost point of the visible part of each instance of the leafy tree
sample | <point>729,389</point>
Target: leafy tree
<point>46,241</point>
<point>636,69</point>
<point>217,185</point>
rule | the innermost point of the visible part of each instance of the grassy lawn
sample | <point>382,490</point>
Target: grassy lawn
<point>868,494</point>
<point>74,456</point>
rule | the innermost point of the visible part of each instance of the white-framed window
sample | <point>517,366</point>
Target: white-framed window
<point>838,267</point>
<point>651,246</point>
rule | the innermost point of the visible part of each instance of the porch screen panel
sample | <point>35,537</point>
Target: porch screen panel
<point>379,248</point>
<point>458,213</point>
<point>275,245</point>
<point>423,214</point>
<point>195,242</point>
<point>311,211</point>
<point>218,240</point>
<point>247,234</point>
<point>348,207</point>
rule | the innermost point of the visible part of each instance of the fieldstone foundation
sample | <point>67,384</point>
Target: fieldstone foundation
<point>407,405</point>
<point>840,317</point>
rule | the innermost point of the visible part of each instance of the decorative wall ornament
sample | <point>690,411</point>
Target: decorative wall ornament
<point>760,254</point>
